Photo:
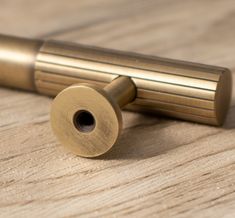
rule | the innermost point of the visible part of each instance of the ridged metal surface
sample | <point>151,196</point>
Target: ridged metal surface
<point>174,88</point>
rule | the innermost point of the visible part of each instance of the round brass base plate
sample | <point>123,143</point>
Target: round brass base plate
<point>99,125</point>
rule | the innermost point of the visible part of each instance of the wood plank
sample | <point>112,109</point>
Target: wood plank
<point>160,167</point>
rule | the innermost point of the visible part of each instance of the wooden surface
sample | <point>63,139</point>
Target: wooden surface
<point>160,167</point>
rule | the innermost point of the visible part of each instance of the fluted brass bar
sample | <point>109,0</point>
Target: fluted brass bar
<point>168,87</point>
<point>184,90</point>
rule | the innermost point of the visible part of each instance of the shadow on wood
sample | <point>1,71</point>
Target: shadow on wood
<point>158,136</point>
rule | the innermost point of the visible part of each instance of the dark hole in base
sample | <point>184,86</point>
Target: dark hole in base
<point>84,121</point>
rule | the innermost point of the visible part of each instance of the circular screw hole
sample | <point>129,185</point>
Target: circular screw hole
<point>84,121</point>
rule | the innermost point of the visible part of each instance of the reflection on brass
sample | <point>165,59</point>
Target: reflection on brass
<point>87,118</point>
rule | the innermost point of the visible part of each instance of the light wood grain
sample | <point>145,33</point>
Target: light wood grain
<point>160,167</point>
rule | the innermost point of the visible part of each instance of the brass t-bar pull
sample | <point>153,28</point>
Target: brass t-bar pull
<point>189,91</point>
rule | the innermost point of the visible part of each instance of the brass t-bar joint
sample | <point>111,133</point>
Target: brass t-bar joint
<point>87,118</point>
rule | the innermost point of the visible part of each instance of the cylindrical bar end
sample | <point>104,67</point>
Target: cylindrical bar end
<point>17,59</point>
<point>223,96</point>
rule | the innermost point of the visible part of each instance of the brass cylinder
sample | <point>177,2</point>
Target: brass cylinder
<point>17,61</point>
<point>184,90</point>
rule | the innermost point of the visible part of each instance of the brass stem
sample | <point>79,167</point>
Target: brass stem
<point>122,90</point>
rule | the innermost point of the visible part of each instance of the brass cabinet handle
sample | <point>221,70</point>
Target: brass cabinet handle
<point>184,90</point>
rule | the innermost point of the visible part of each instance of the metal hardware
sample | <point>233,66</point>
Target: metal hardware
<point>87,119</point>
<point>184,90</point>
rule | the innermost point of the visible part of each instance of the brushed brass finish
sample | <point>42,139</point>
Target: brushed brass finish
<point>87,119</point>
<point>184,90</point>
